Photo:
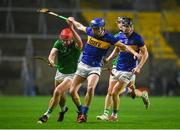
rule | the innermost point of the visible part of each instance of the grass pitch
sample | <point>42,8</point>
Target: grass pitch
<point>23,113</point>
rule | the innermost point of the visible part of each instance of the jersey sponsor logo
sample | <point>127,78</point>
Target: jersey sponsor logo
<point>98,43</point>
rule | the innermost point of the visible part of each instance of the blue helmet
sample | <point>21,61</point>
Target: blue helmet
<point>97,22</point>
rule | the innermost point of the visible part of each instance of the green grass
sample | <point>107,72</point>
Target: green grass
<point>23,112</point>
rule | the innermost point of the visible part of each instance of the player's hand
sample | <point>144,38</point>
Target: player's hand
<point>137,56</point>
<point>136,70</point>
<point>70,25</point>
<point>51,63</point>
<point>105,61</point>
<point>70,19</point>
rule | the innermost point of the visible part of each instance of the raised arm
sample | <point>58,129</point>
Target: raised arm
<point>78,25</point>
<point>76,36</point>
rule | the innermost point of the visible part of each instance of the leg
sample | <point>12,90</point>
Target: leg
<point>120,85</point>
<point>92,83</point>
<point>62,101</point>
<point>141,94</point>
<point>108,100</point>
<point>130,90</point>
<point>59,90</point>
<point>56,83</point>
<point>77,80</point>
<point>137,93</point>
<point>133,92</point>
<point>63,106</point>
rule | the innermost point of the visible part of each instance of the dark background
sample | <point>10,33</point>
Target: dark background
<point>24,33</point>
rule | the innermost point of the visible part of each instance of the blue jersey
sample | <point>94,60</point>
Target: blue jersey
<point>96,47</point>
<point>121,37</point>
<point>126,61</point>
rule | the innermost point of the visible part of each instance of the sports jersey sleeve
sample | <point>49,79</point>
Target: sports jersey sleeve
<point>88,30</point>
<point>57,44</point>
<point>140,41</point>
<point>113,40</point>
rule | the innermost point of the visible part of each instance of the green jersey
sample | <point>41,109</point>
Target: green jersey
<point>68,57</point>
<point>114,61</point>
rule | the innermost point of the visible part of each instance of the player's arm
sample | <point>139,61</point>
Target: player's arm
<point>52,56</point>
<point>123,46</point>
<point>144,56</point>
<point>79,43</point>
<point>78,25</point>
<point>113,54</point>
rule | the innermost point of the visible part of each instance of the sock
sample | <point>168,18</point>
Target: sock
<point>143,95</point>
<point>63,108</point>
<point>85,110</point>
<point>106,112</point>
<point>79,108</point>
<point>126,90</point>
<point>48,112</point>
<point>114,113</point>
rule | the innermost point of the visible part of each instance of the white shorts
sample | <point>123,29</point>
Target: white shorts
<point>123,75</point>
<point>60,76</point>
<point>85,70</point>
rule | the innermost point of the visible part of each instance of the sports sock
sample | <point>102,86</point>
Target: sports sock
<point>85,110</point>
<point>79,108</point>
<point>106,112</point>
<point>126,90</point>
<point>143,95</point>
<point>114,113</point>
<point>48,112</point>
<point>63,108</point>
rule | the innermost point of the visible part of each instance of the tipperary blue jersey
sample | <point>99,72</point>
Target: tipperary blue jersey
<point>126,61</point>
<point>96,47</point>
<point>121,37</point>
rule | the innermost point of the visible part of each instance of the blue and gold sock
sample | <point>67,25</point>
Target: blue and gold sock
<point>85,110</point>
<point>80,108</point>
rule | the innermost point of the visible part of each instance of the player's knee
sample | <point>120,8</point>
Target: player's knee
<point>72,91</point>
<point>57,92</point>
<point>114,93</point>
<point>90,90</point>
<point>109,93</point>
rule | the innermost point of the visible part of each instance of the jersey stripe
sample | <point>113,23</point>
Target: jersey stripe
<point>98,43</point>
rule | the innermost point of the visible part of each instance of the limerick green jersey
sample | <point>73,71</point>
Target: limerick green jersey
<point>68,57</point>
<point>114,61</point>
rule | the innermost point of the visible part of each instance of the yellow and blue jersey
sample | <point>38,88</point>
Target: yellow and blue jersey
<point>126,61</point>
<point>96,47</point>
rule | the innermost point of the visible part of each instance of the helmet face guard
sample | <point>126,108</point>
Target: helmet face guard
<point>125,21</point>
<point>66,36</point>
<point>98,31</point>
<point>125,24</point>
<point>97,26</point>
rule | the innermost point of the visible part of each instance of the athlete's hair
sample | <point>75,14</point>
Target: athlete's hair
<point>97,22</point>
<point>126,21</point>
<point>66,34</point>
